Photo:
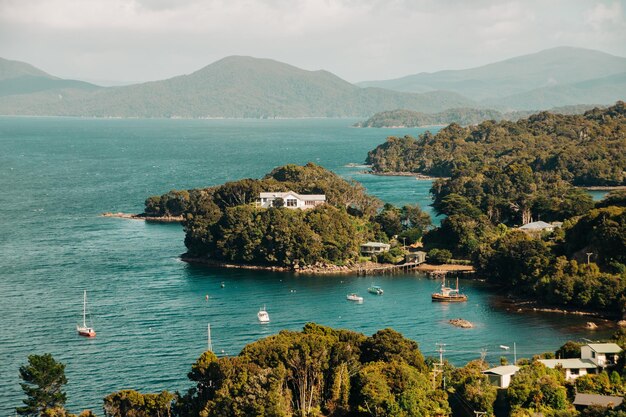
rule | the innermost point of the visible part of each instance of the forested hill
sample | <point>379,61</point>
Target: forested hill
<point>550,78</point>
<point>583,149</point>
<point>237,87</point>
<point>462,116</point>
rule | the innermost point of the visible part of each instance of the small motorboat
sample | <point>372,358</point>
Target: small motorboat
<point>85,330</point>
<point>263,316</point>
<point>354,297</point>
<point>504,347</point>
<point>375,289</point>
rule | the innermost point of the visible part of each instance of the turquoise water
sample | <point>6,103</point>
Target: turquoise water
<point>149,309</point>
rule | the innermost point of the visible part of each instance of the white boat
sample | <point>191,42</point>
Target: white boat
<point>85,330</point>
<point>263,316</point>
<point>504,347</point>
<point>354,297</point>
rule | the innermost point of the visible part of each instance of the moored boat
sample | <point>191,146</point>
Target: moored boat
<point>85,330</point>
<point>375,289</point>
<point>263,316</point>
<point>354,297</point>
<point>448,294</point>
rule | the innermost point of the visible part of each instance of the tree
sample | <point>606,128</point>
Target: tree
<point>44,379</point>
<point>130,403</point>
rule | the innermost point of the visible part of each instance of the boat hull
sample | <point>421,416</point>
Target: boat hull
<point>86,333</point>
<point>449,299</point>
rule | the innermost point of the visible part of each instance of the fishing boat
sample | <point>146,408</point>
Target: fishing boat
<point>85,330</point>
<point>375,289</point>
<point>354,297</point>
<point>263,316</point>
<point>447,294</point>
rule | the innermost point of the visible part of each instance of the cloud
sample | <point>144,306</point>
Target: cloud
<point>356,39</point>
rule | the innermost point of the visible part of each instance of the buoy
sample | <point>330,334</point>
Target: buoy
<point>206,297</point>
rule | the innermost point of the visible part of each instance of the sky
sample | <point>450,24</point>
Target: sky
<point>122,41</point>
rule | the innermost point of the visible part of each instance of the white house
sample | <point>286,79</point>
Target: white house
<point>601,354</point>
<point>291,200</point>
<point>573,367</point>
<point>500,376</point>
<point>372,248</point>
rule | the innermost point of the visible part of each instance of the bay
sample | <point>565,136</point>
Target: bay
<point>149,309</point>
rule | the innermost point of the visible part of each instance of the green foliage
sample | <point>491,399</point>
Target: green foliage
<point>537,388</point>
<point>439,256</point>
<point>44,379</point>
<point>388,345</point>
<point>570,349</point>
<point>130,403</point>
<point>474,387</point>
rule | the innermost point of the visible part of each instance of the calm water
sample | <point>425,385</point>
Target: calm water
<point>149,309</point>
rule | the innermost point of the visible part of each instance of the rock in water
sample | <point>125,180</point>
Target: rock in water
<point>461,323</point>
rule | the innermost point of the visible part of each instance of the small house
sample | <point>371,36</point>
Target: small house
<point>601,354</point>
<point>374,248</point>
<point>291,200</point>
<point>418,257</point>
<point>583,401</point>
<point>500,376</point>
<point>537,227</point>
<point>573,367</point>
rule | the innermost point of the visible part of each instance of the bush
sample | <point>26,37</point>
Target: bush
<point>439,256</point>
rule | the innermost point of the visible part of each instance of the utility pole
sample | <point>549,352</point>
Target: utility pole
<point>480,413</point>
<point>514,354</point>
<point>589,256</point>
<point>438,367</point>
<point>404,243</point>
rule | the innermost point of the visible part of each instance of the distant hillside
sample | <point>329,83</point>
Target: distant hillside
<point>513,78</point>
<point>17,78</point>
<point>232,87</point>
<point>462,116</point>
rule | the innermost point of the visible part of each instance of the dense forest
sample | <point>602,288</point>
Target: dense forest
<point>326,372</point>
<point>224,223</point>
<point>462,116</point>
<point>583,149</point>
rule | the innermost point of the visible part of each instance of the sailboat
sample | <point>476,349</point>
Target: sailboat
<point>263,316</point>
<point>85,330</point>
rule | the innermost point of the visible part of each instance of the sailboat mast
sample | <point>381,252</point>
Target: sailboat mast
<point>210,345</point>
<point>84,308</point>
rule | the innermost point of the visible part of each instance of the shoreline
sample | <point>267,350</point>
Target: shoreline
<point>518,305</point>
<point>417,175</point>
<point>130,216</point>
<point>604,187</point>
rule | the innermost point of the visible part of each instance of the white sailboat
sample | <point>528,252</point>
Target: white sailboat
<point>85,330</point>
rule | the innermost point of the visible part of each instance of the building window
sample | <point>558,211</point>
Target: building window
<point>593,354</point>
<point>292,202</point>
<point>309,203</point>
<point>574,371</point>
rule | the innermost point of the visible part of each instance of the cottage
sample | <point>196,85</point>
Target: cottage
<point>583,401</point>
<point>373,248</point>
<point>537,227</point>
<point>601,354</point>
<point>573,367</point>
<point>291,200</point>
<point>418,257</point>
<point>500,376</point>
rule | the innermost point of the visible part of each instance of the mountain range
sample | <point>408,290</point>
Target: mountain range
<point>240,86</point>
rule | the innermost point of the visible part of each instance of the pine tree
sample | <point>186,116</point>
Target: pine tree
<point>43,385</point>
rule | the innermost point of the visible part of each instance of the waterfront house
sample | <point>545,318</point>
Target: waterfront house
<point>583,401</point>
<point>573,367</point>
<point>601,354</point>
<point>291,200</point>
<point>500,376</point>
<point>374,248</point>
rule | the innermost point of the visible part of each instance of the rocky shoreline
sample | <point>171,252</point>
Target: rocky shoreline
<point>417,175</point>
<point>144,217</point>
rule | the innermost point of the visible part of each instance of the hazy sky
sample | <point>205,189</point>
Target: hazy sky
<point>141,40</point>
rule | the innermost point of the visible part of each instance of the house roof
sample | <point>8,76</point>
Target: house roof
<point>573,363</point>
<point>310,197</point>
<point>376,244</point>
<point>595,399</point>
<point>502,370</point>
<point>537,226</point>
<point>605,347</point>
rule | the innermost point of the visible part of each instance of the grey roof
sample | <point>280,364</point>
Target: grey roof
<point>537,226</point>
<point>502,370</point>
<point>573,363</point>
<point>314,197</point>
<point>605,347</point>
<point>595,399</point>
<point>376,244</point>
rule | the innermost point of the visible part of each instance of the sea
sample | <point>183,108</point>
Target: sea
<point>150,310</point>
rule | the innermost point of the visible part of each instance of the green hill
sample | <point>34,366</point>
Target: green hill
<point>516,76</point>
<point>232,87</point>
